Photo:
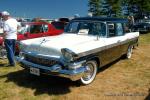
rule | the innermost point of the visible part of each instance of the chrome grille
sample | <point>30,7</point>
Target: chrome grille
<point>40,60</point>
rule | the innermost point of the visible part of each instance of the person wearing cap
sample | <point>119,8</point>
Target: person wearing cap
<point>10,36</point>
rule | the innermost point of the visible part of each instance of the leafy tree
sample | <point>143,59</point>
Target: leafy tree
<point>105,8</point>
<point>120,8</point>
<point>94,7</point>
<point>125,10</point>
<point>139,7</point>
<point>116,8</point>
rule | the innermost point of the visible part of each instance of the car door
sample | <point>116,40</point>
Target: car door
<point>112,43</point>
<point>36,30</point>
<point>122,38</point>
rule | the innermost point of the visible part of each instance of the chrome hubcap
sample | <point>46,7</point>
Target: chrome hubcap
<point>129,52</point>
<point>89,72</point>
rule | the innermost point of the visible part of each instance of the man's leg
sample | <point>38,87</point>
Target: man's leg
<point>14,46</point>
<point>9,44</point>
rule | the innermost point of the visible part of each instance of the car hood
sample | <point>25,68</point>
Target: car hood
<point>52,45</point>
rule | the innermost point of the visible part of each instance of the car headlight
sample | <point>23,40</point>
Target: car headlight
<point>68,54</point>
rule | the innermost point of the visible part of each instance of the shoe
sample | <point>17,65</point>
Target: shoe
<point>10,65</point>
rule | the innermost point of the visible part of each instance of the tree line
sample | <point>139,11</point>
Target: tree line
<point>119,8</point>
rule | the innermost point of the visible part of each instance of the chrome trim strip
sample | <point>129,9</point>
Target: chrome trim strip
<point>58,59</point>
<point>105,47</point>
<point>73,74</point>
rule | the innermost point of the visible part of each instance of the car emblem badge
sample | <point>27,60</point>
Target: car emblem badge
<point>43,41</point>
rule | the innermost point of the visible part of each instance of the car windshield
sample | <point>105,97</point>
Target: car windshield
<point>85,27</point>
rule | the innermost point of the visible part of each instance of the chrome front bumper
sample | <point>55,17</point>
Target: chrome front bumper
<point>56,70</point>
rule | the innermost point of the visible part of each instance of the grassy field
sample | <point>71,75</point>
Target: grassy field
<point>122,80</point>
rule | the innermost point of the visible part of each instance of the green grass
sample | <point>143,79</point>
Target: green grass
<point>145,38</point>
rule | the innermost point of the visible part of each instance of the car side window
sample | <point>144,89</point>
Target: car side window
<point>44,28</point>
<point>34,29</point>
<point>111,30</point>
<point>97,29</point>
<point>119,29</point>
<point>115,29</point>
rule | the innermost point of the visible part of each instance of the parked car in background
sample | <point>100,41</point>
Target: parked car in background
<point>64,19</point>
<point>37,29</point>
<point>61,23</point>
<point>38,19</point>
<point>31,30</point>
<point>143,26</point>
<point>87,44</point>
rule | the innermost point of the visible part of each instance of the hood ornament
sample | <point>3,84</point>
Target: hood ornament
<point>43,41</point>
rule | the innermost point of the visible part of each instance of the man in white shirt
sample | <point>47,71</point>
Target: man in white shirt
<point>10,36</point>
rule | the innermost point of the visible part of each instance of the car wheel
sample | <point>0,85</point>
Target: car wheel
<point>90,73</point>
<point>129,52</point>
<point>3,53</point>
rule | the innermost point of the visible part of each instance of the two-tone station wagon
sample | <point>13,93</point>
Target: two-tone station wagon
<point>87,44</point>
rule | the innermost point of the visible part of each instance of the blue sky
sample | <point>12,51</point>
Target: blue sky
<point>45,8</point>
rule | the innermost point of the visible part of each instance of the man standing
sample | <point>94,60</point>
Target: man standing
<point>10,35</point>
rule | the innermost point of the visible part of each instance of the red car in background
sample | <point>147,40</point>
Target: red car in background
<point>31,30</point>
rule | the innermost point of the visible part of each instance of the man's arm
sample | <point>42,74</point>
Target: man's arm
<point>5,30</point>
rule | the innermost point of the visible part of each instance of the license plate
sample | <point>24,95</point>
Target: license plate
<point>35,71</point>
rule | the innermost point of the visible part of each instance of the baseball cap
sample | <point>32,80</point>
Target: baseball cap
<point>5,13</point>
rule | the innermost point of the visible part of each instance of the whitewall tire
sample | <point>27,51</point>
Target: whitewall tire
<point>90,73</point>
<point>129,52</point>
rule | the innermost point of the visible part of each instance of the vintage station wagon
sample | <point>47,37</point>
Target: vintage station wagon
<point>87,44</point>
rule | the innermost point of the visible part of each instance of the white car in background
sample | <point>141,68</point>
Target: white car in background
<point>87,44</point>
